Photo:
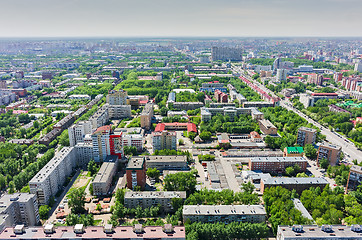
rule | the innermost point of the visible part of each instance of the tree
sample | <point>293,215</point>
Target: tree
<point>206,135</point>
<point>153,173</point>
<point>248,187</point>
<point>36,124</point>
<point>182,181</point>
<point>163,111</point>
<point>192,135</point>
<point>76,200</point>
<point>99,207</point>
<point>44,211</point>
<point>181,142</point>
<point>323,163</point>
<point>92,167</point>
<point>310,151</point>
<point>130,150</point>
<point>290,171</point>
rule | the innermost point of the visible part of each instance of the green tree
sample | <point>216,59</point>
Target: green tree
<point>92,167</point>
<point>323,163</point>
<point>153,173</point>
<point>310,151</point>
<point>130,150</point>
<point>248,187</point>
<point>44,212</point>
<point>76,200</point>
<point>182,181</point>
<point>205,135</point>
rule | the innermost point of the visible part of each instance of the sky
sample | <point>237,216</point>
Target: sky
<point>188,18</point>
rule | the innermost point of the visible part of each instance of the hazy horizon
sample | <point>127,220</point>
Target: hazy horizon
<point>168,18</point>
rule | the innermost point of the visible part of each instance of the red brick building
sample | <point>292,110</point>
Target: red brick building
<point>136,172</point>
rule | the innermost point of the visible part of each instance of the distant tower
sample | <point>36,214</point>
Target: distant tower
<point>276,64</point>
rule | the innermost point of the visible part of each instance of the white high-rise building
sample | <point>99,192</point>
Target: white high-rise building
<point>281,74</point>
<point>50,179</point>
<point>358,67</point>
<point>78,131</point>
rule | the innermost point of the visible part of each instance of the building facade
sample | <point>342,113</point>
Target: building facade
<point>276,164</point>
<point>330,152</point>
<point>164,140</point>
<point>136,172</point>
<point>103,180</point>
<point>306,136</point>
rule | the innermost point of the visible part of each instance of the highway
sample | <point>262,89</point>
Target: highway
<point>348,148</point>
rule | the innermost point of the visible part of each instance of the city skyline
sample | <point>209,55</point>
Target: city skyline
<point>161,18</point>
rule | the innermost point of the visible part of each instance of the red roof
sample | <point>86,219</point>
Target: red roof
<point>104,128</point>
<point>160,127</point>
<point>191,127</point>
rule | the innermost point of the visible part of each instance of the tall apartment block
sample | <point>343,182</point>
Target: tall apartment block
<point>330,152</point>
<point>306,136</point>
<point>78,131</point>
<point>164,140</point>
<point>21,208</point>
<point>50,179</point>
<point>117,97</point>
<point>146,116</point>
<point>226,54</point>
<point>149,199</point>
<point>355,177</point>
<point>136,172</point>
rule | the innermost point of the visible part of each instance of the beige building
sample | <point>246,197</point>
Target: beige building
<point>146,116</point>
<point>224,213</point>
<point>148,199</point>
<point>115,97</point>
<point>103,180</point>
<point>164,140</point>
<point>267,127</point>
<point>330,152</point>
<point>306,136</point>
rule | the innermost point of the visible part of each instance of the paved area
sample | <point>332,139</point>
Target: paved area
<point>229,173</point>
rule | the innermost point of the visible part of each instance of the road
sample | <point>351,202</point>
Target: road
<point>347,147</point>
<point>332,137</point>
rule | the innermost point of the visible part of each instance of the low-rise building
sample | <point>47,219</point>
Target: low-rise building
<point>276,164</point>
<point>136,172</point>
<point>167,232</point>
<point>103,180</point>
<point>224,213</point>
<point>324,232</point>
<point>298,183</point>
<point>293,152</point>
<point>152,199</point>
<point>267,127</point>
<point>187,105</point>
<point>232,112</point>
<point>167,162</point>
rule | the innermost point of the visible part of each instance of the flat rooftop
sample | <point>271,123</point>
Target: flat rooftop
<point>95,232</point>
<point>105,172</point>
<point>278,159</point>
<point>149,194</point>
<point>223,210</point>
<point>136,163</point>
<point>166,158</point>
<point>294,180</point>
<point>315,232</point>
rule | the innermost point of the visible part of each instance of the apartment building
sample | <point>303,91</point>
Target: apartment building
<point>220,96</point>
<point>224,213</point>
<point>212,87</point>
<point>324,232</point>
<point>266,127</point>
<point>232,112</point>
<point>164,140</point>
<point>84,152</point>
<point>187,105</point>
<point>276,164</point>
<point>146,116</point>
<point>167,232</point>
<point>298,183</point>
<point>50,179</point>
<point>306,136</point>
<point>78,131</point>
<point>115,97</point>
<point>101,143</point>
<point>330,152</point>
<point>50,136</point>
<point>136,172</point>
<point>169,162</point>
<point>119,111</point>
<point>281,74</point>
<point>21,208</point>
<point>257,104</point>
<point>152,199</point>
<point>355,177</point>
<point>100,117</point>
<point>103,180</point>
<point>316,79</point>
<point>226,53</point>
<point>131,137</point>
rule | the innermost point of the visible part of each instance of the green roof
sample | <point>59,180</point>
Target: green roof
<point>295,150</point>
